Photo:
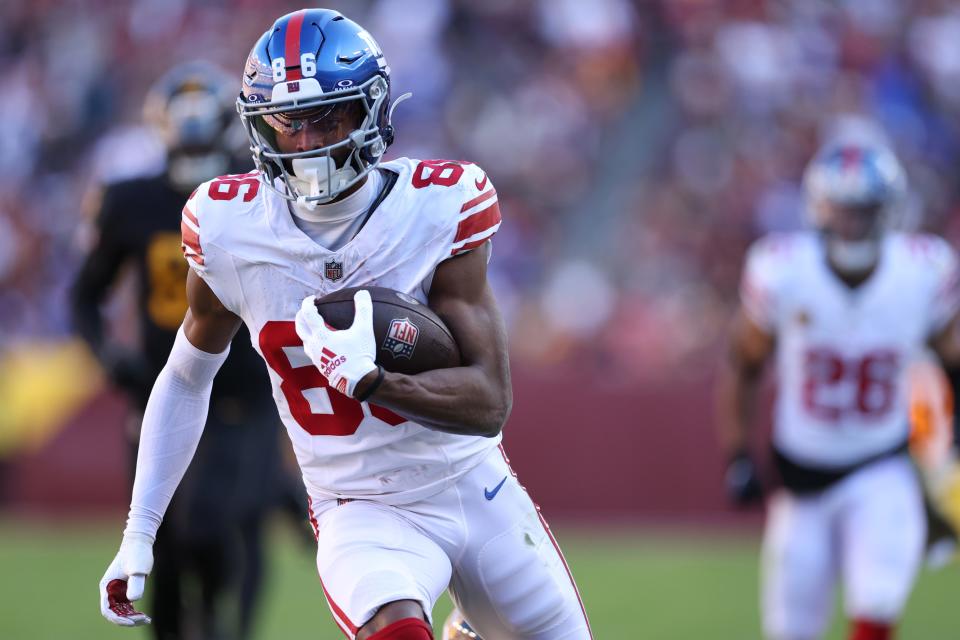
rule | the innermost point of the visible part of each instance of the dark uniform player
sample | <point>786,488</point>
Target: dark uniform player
<point>209,551</point>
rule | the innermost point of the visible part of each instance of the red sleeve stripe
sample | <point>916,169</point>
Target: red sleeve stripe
<point>189,215</point>
<point>475,240</point>
<point>489,193</point>
<point>470,245</point>
<point>474,224</point>
<point>191,243</point>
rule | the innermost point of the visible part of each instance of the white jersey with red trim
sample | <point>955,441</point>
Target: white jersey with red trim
<point>843,353</point>
<point>239,236</point>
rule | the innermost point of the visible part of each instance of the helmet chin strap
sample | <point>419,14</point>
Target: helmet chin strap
<point>318,176</point>
<point>853,256</point>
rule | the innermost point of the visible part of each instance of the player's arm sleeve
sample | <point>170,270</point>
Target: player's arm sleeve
<point>758,286</point>
<point>479,216</point>
<point>99,270</point>
<point>172,425</point>
<point>945,270</point>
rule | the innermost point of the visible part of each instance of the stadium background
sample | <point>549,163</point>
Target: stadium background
<point>637,147</point>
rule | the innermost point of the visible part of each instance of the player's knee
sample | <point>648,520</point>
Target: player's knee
<point>404,629</point>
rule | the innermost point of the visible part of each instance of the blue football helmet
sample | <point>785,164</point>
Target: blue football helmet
<point>852,189</point>
<point>309,63</point>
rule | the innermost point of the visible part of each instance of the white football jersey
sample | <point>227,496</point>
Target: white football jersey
<point>239,236</point>
<point>843,353</point>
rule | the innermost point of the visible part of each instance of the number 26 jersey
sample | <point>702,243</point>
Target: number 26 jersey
<point>240,238</point>
<point>842,352</point>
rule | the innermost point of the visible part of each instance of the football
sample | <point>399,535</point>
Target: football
<point>410,337</point>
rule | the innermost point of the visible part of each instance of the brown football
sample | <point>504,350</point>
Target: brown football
<point>410,337</point>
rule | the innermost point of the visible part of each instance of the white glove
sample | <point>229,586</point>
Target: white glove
<point>124,580</point>
<point>343,357</point>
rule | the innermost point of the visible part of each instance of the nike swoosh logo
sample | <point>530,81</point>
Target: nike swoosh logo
<point>481,183</point>
<point>490,495</point>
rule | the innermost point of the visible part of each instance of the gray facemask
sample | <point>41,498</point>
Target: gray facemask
<point>853,256</point>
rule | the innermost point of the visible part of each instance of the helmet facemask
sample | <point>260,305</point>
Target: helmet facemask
<point>852,232</point>
<point>852,192</point>
<point>319,175</point>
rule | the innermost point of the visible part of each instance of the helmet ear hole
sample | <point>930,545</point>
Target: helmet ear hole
<point>387,135</point>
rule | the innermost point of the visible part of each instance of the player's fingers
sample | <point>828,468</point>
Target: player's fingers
<point>123,621</point>
<point>308,308</point>
<point>135,586</point>
<point>363,314</point>
<point>308,319</point>
<point>112,600</point>
<point>140,619</point>
<point>105,601</point>
<point>115,602</point>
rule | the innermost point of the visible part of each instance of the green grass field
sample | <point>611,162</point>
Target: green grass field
<point>637,585</point>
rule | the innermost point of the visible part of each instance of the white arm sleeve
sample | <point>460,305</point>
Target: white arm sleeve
<point>172,425</point>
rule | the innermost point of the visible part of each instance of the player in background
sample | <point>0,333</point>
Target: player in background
<point>933,447</point>
<point>209,551</point>
<point>844,309</point>
<point>410,492</point>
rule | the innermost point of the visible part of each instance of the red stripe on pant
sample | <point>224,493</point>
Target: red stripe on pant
<point>313,519</point>
<point>338,614</point>
<point>553,540</point>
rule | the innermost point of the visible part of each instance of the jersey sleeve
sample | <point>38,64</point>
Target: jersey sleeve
<point>201,230</point>
<point>943,268</point>
<point>190,234</point>
<point>479,216</point>
<point>760,283</point>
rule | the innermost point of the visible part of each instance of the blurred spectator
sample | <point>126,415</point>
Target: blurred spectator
<point>650,141</point>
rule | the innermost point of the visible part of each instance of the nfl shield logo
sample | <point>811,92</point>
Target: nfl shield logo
<point>333,270</point>
<point>401,338</point>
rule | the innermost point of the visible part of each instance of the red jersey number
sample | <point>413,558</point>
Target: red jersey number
<point>228,187</point>
<point>872,378</point>
<point>347,414</point>
<point>444,173</point>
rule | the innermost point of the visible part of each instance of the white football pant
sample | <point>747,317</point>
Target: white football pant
<point>867,531</point>
<point>483,538</point>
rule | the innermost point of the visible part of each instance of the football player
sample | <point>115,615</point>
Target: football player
<point>410,492</point>
<point>213,530</point>
<point>844,308</point>
<point>932,445</point>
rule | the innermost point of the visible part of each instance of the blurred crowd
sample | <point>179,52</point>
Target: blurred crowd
<point>638,146</point>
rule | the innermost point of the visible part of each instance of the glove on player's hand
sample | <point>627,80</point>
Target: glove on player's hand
<point>343,357</point>
<point>124,580</point>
